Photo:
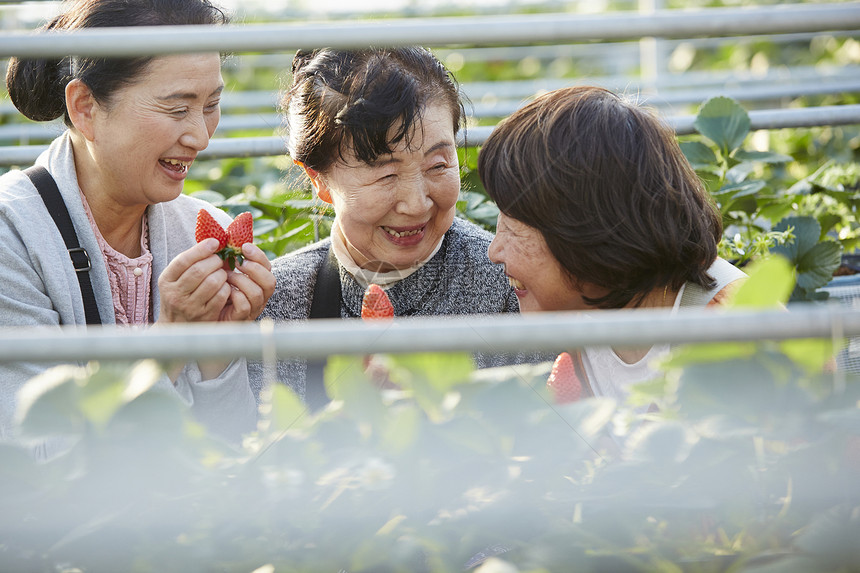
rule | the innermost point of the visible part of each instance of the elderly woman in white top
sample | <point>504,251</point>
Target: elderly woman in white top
<point>134,127</point>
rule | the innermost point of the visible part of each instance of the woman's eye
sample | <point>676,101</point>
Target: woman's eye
<point>387,178</point>
<point>439,167</point>
<point>212,107</point>
<point>178,112</point>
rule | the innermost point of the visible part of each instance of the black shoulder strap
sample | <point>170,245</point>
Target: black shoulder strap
<point>47,188</point>
<point>325,304</point>
<point>326,301</point>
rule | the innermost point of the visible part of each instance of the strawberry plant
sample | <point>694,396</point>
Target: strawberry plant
<point>761,214</point>
<point>749,464</point>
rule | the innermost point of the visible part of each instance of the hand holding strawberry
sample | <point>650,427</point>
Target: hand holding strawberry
<point>563,381</point>
<point>230,242</point>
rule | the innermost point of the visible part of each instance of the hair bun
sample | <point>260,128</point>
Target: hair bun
<point>36,89</point>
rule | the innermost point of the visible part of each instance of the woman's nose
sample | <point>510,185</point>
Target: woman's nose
<point>197,134</point>
<point>413,197</point>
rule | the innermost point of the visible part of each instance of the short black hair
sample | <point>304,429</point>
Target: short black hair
<point>605,182</point>
<point>351,99</point>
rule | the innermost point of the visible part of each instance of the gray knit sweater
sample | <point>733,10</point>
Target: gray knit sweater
<point>459,279</point>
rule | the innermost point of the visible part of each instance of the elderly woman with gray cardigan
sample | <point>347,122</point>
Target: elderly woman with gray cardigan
<point>375,132</point>
<point>134,128</point>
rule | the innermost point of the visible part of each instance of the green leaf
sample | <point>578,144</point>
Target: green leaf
<point>807,232</point>
<point>48,403</point>
<point>770,283</point>
<point>723,121</point>
<point>816,267</point>
<point>101,394</point>
<point>402,424</point>
<point>810,353</point>
<point>762,156</point>
<point>209,196</point>
<point>287,409</point>
<point>713,352</point>
<point>346,380</point>
<point>741,189</point>
<point>698,154</point>
<point>664,442</point>
<point>431,376</point>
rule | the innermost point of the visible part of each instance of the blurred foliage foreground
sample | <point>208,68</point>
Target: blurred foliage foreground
<point>749,462</point>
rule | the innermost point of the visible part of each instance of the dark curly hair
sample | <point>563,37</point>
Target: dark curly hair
<point>353,98</point>
<point>37,87</point>
<point>607,186</point>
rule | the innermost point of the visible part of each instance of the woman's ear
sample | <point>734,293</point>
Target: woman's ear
<point>321,188</point>
<point>81,105</point>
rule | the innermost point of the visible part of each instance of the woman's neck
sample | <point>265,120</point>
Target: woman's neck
<point>661,297</point>
<point>119,224</point>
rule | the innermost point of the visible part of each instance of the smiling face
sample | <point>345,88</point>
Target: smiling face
<point>539,281</point>
<point>140,144</point>
<point>393,212</point>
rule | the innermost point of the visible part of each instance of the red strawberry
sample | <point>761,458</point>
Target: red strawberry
<point>376,304</point>
<point>239,232</point>
<point>207,227</point>
<point>563,381</point>
<point>230,242</point>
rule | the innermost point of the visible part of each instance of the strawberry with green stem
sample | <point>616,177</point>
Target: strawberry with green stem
<point>230,241</point>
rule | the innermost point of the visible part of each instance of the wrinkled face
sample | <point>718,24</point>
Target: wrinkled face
<point>539,281</point>
<point>395,211</point>
<point>147,137</point>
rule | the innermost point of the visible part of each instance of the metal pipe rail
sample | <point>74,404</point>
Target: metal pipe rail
<point>549,332</point>
<point>222,148</point>
<point>272,122</point>
<point>481,30</point>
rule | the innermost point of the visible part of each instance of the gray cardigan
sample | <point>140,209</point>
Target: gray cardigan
<point>39,286</point>
<point>458,280</point>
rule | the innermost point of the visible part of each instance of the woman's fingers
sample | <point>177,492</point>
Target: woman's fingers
<point>194,285</point>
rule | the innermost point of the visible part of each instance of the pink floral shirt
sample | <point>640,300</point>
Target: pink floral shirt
<point>130,279</point>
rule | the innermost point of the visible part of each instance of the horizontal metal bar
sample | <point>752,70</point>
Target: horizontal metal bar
<point>271,122</point>
<point>222,148</point>
<point>550,332</point>
<point>476,30</point>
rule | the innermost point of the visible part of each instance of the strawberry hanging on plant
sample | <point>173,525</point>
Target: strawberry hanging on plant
<point>230,241</point>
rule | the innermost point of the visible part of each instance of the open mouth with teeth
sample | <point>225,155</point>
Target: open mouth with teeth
<point>516,284</point>
<point>400,234</point>
<point>175,165</point>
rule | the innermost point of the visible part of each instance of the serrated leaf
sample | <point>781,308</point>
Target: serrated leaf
<point>762,156</point>
<point>816,267</point>
<point>723,121</point>
<point>698,154</point>
<point>740,172</point>
<point>807,232</point>
<point>769,285</point>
